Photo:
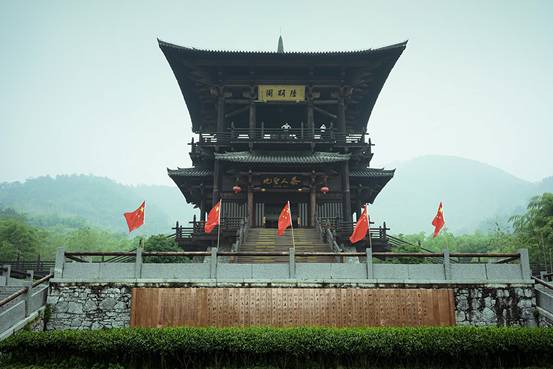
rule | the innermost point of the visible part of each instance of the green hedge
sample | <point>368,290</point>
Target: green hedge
<point>288,347</point>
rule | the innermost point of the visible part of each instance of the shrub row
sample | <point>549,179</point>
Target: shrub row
<point>289,347</point>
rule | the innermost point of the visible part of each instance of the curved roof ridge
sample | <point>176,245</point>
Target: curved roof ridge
<point>245,52</point>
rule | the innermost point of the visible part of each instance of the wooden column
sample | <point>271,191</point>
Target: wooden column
<point>346,195</point>
<point>220,110</point>
<point>313,203</point>
<point>310,119</point>
<point>250,199</point>
<point>252,124</point>
<point>216,177</point>
<point>202,202</point>
<point>341,115</point>
<point>250,206</point>
<point>313,199</point>
<point>357,209</point>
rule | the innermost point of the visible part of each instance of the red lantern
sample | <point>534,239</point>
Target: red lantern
<point>325,189</point>
<point>236,189</point>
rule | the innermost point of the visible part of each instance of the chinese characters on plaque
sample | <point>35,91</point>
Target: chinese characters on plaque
<point>281,181</point>
<point>281,92</point>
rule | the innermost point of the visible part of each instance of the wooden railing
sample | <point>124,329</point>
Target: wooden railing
<point>342,230</point>
<point>38,266</point>
<point>279,135</point>
<point>228,224</point>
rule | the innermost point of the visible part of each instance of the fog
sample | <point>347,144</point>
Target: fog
<point>84,87</point>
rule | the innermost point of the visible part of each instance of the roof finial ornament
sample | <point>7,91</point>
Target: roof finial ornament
<point>280,48</point>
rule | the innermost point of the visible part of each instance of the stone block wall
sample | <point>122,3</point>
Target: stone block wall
<point>501,305</point>
<point>88,307</point>
<point>95,306</point>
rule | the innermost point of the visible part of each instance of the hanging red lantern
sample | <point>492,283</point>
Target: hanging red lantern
<point>236,189</point>
<point>325,189</point>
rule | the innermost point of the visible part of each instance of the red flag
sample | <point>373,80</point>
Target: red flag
<point>438,221</point>
<point>135,218</point>
<point>361,228</point>
<point>213,217</point>
<point>285,219</point>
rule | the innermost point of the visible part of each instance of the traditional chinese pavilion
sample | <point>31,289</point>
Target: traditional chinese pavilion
<point>279,126</point>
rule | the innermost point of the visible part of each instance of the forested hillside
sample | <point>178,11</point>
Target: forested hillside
<point>475,196</point>
<point>79,200</point>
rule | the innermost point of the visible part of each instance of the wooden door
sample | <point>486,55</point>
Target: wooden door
<point>259,214</point>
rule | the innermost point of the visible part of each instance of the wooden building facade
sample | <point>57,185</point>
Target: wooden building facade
<point>281,126</point>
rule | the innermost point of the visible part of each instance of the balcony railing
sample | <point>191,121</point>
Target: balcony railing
<point>197,228</point>
<point>277,135</point>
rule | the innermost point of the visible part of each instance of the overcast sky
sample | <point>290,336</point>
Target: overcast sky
<point>84,87</point>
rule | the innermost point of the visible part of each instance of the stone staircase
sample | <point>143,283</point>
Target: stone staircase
<point>266,240</point>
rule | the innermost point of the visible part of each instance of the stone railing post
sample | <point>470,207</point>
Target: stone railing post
<point>369,261</point>
<point>29,293</point>
<point>447,265</point>
<point>524,261</point>
<point>292,263</point>
<point>60,261</point>
<point>213,263</point>
<point>7,273</point>
<point>138,263</point>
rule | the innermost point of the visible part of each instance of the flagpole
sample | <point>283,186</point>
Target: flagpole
<point>291,225</point>
<point>219,224</point>
<point>368,226</point>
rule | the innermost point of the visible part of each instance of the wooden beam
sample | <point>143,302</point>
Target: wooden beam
<point>327,113</point>
<point>237,111</point>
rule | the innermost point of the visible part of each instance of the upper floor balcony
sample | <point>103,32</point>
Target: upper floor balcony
<point>279,136</point>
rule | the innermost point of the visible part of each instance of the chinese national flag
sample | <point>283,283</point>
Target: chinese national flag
<point>285,219</point>
<point>135,218</point>
<point>438,221</point>
<point>213,218</point>
<point>361,228</point>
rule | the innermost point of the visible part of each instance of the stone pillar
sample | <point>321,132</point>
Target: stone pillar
<point>292,263</point>
<point>29,293</point>
<point>369,261</point>
<point>60,261</point>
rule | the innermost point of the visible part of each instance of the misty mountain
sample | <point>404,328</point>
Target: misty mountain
<point>80,200</point>
<point>475,195</point>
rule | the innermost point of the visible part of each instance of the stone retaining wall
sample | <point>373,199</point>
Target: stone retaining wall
<point>95,306</point>
<point>89,307</point>
<point>503,306</point>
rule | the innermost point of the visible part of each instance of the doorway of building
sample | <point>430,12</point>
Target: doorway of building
<point>267,208</point>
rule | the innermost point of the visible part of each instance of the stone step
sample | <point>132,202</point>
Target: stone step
<point>267,240</point>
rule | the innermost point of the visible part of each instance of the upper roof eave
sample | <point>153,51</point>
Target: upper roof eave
<point>162,44</point>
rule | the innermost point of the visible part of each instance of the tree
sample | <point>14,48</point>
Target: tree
<point>17,239</point>
<point>161,242</point>
<point>535,228</point>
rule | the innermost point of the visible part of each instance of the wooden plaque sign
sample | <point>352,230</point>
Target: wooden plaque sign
<point>289,307</point>
<point>281,92</point>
